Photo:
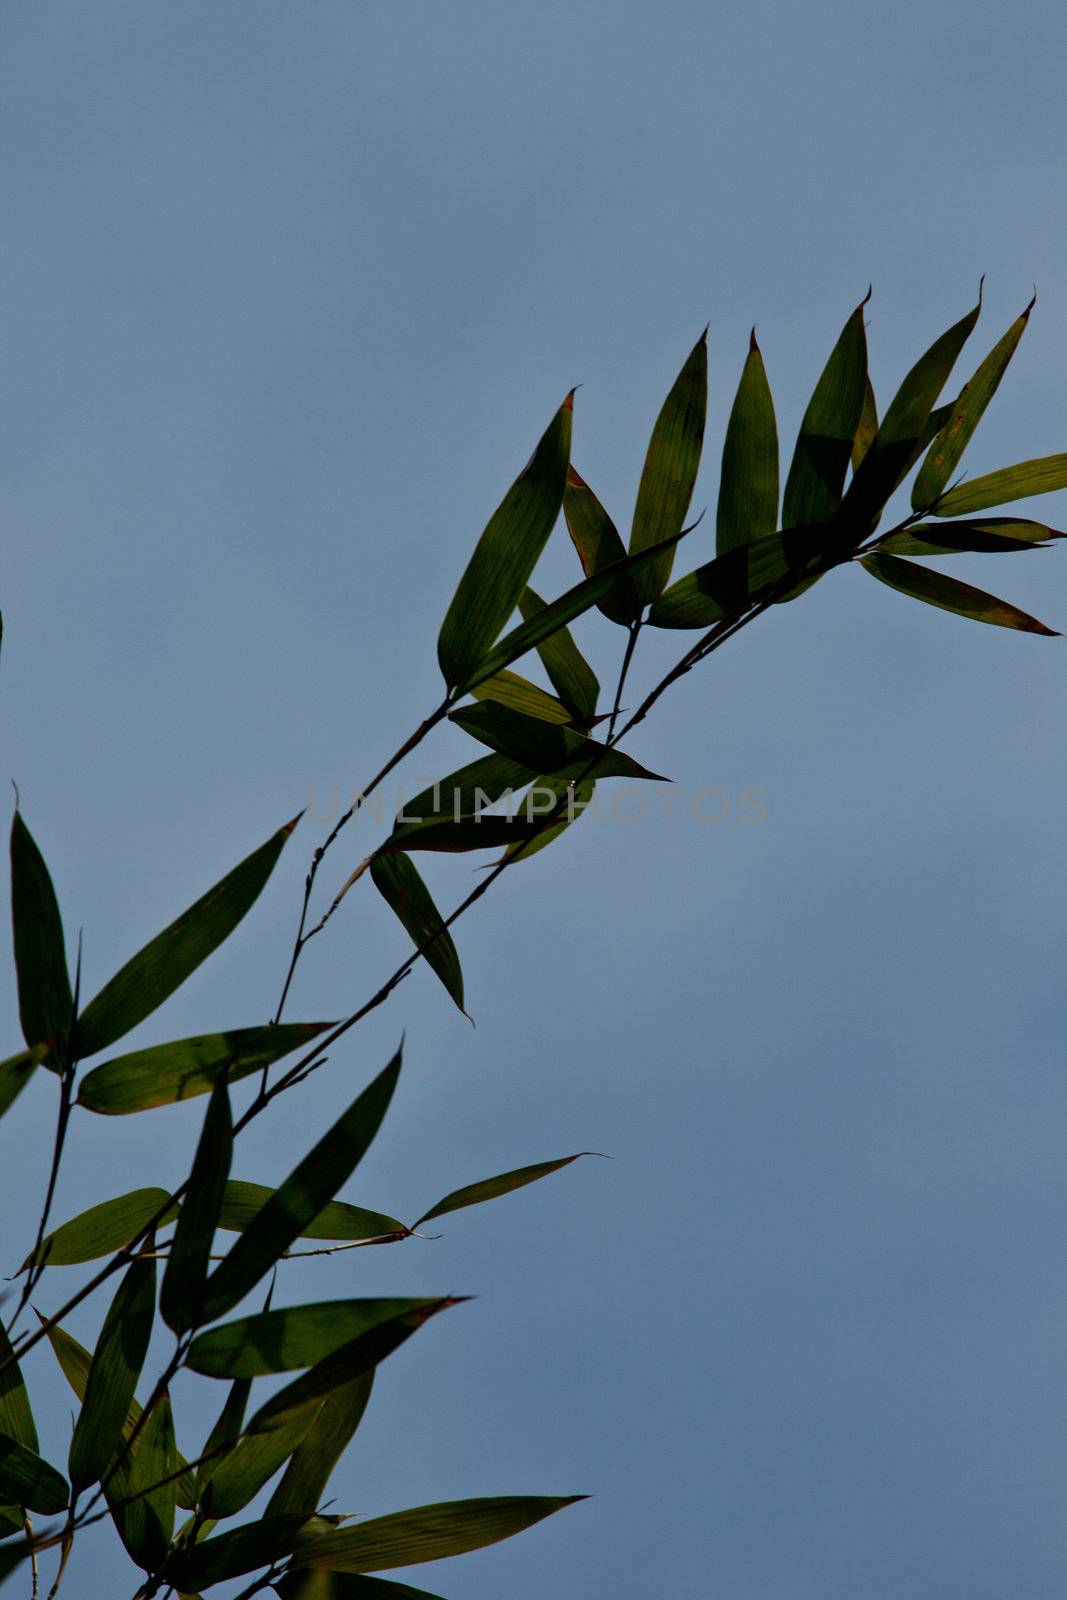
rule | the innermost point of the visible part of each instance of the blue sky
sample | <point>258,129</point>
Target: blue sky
<point>290,293</point>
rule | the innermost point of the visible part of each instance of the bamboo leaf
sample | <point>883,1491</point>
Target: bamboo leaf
<point>597,541</point>
<point>569,672</point>
<point>866,428</point>
<point>46,1005</point>
<point>467,791</point>
<point>506,554</point>
<point>508,689</point>
<point>552,789</point>
<point>670,469</point>
<point>545,746</point>
<point>148,1517</point>
<point>225,1431</point>
<point>323,1585</point>
<point>252,1462</point>
<point>154,973</point>
<point>116,1366</point>
<point>28,1480</point>
<point>748,486</point>
<point>16,1417</point>
<point>475,1194</point>
<point>357,1356</point>
<point>1042,475</point>
<point>243,1201</point>
<point>16,1072</point>
<point>102,1229</point>
<point>481,832</point>
<point>727,586</point>
<point>425,1533</point>
<point>830,430</point>
<point>949,594</point>
<point>228,1555</point>
<point>993,535</point>
<point>305,1478</point>
<point>398,881</point>
<point>312,1183</point>
<point>297,1336</point>
<point>181,1293</point>
<point>952,439</point>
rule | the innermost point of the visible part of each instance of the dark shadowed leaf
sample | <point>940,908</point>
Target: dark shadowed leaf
<point>312,1183</point>
<point>567,797</point>
<point>116,1366</point>
<point>482,832</point>
<point>148,1518</point>
<point>243,1549</point>
<point>27,1480</point>
<point>597,541</point>
<point>181,1292</point>
<point>569,672</point>
<point>952,439</point>
<point>426,1533</point>
<point>748,485</point>
<point>670,469</point>
<point>46,1005</point>
<point>164,964</point>
<point>866,428</point>
<point>103,1228</point>
<point>508,689</point>
<point>241,1474</point>
<point>726,586</point>
<point>16,1072</point>
<point>16,1417</point>
<point>1042,475</point>
<point>296,1336</point>
<point>545,746</point>
<point>243,1201</point>
<point>225,1431</point>
<point>305,1478</point>
<point>993,535</point>
<point>184,1068</point>
<point>400,884</point>
<point>506,554</point>
<point>323,1585</point>
<point>828,433</point>
<point>467,791</point>
<point>473,1194</point>
<point>949,594</point>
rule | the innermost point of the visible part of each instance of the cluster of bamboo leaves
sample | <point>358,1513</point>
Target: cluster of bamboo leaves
<point>158,1249</point>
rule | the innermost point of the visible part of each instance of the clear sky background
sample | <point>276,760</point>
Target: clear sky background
<point>289,292</point>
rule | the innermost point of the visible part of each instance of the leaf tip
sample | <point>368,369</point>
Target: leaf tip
<point>753,346</point>
<point>568,404</point>
<point>290,826</point>
<point>1031,304</point>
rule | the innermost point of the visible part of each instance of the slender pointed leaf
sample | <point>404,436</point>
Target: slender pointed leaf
<point>252,1462</point>
<point>480,832</point>
<point>866,428</point>
<point>467,791</point>
<point>748,486</point>
<point>148,1515</point>
<point>506,554</point>
<point>243,1201</point>
<point>182,1290</point>
<point>142,985</point>
<point>16,1416</point>
<point>116,1366</point>
<point>398,881</point>
<point>305,1478</point>
<point>992,535</point>
<point>46,1005</point>
<point>225,1432</point>
<point>545,746</point>
<point>949,594</point>
<point>944,454</point>
<point>830,429</point>
<point>322,1585</point>
<point>102,1229</point>
<point>508,689</point>
<point>28,1480</point>
<point>727,586</point>
<point>569,672</point>
<point>551,791</point>
<point>599,547</point>
<point>16,1072</point>
<point>228,1555</point>
<point>1042,475</point>
<point>312,1183</point>
<point>670,469</point>
<point>426,1533</point>
<point>296,1336</point>
<point>475,1194</point>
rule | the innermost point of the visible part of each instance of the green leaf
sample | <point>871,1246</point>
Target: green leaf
<point>241,1474</point>
<point>398,881</point>
<point>148,1518</point>
<point>727,586</point>
<point>102,1229</point>
<point>11,1521</point>
<point>481,832</point>
<point>297,1336</point>
<point>142,985</point>
<point>426,1533</point>
<point>16,1417</point>
<point>830,429</point>
<point>475,1194</point>
<point>902,429</point>
<point>181,1293</point>
<point>952,438</point>
<point>670,469</point>
<point>949,594</point>
<point>1039,476</point>
<point>116,1366</point>
<point>46,1005</point>
<point>16,1072</point>
<point>569,672</point>
<point>599,547</point>
<point>545,746</point>
<point>866,428</point>
<point>466,791</point>
<point>748,486</point>
<point>313,1182</point>
<point>322,1585</point>
<point>341,1366</point>
<point>28,1480</point>
<point>225,1432</point>
<point>993,535</point>
<point>254,1544</point>
<point>544,794</point>
<point>508,689</point>
<point>243,1201</point>
<point>506,554</point>
<point>308,1473</point>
